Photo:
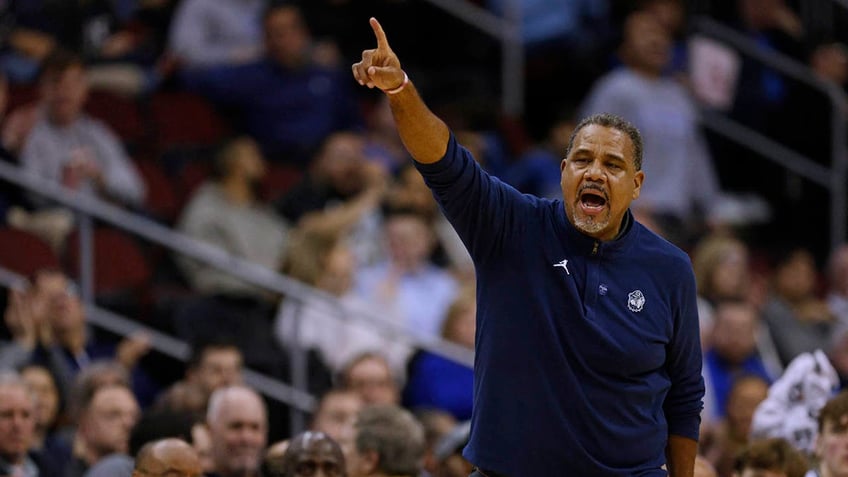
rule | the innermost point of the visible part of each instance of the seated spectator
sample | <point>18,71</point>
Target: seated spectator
<point>67,146</point>
<point>387,440</point>
<point>340,194</point>
<point>328,264</point>
<point>797,319</point>
<point>311,454</point>
<point>383,144</point>
<point>285,100</point>
<point>537,171</point>
<point>172,457</point>
<point>408,283</point>
<point>437,425</point>
<point>683,182</point>
<point>105,422</point>
<point>449,457</point>
<point>370,376</point>
<point>439,382</point>
<point>215,365</point>
<point>238,425</point>
<point>17,431</point>
<point>734,350</point>
<point>47,404</point>
<point>226,212</point>
<point>771,457</point>
<point>213,33</point>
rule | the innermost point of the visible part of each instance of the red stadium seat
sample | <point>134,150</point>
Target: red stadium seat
<point>279,179</point>
<point>25,253</point>
<point>162,198</point>
<point>185,120</point>
<point>120,113</point>
<point>119,264</point>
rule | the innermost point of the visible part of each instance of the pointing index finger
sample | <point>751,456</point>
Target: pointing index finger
<point>382,42</point>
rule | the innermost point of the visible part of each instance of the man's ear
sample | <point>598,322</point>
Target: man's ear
<point>638,178</point>
<point>562,164</point>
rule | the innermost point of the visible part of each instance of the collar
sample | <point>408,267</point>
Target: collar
<point>589,246</point>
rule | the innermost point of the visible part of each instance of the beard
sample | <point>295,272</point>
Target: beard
<point>588,224</point>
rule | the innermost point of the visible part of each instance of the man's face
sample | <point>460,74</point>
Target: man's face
<point>734,332</point>
<point>599,180</point>
<point>319,458</point>
<point>832,447</point>
<point>238,435</point>
<point>286,36</point>
<point>372,380</point>
<point>646,42</point>
<point>17,422</point>
<point>220,367</point>
<point>108,421</point>
<point>337,413</point>
<point>41,384</point>
<point>62,305</point>
<point>410,241</point>
<point>65,94</point>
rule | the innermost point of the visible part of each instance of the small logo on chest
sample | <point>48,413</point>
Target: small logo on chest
<point>635,301</point>
<point>564,265</point>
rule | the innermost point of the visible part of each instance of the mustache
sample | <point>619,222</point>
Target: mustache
<point>595,188</point>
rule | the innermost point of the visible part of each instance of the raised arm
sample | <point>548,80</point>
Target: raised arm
<point>424,135</point>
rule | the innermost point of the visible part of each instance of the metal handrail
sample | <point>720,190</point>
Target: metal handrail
<point>837,174</point>
<point>175,348</point>
<point>508,31</point>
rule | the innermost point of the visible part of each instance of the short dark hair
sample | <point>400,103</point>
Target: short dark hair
<point>774,454</point>
<point>59,61</point>
<point>615,122</point>
<point>395,435</point>
<point>199,349</point>
<point>833,410</point>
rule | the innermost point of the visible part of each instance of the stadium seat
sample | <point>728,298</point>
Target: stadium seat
<point>120,267</point>
<point>120,113</point>
<point>185,120</point>
<point>25,253</point>
<point>162,198</point>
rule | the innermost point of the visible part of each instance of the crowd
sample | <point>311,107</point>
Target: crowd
<point>237,123</point>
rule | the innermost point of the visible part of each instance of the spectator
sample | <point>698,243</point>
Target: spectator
<point>772,457</point>
<point>387,441</point>
<point>340,194</point>
<point>336,413</point>
<point>797,319</point>
<point>215,365</point>
<point>370,376</point>
<point>537,171</point>
<point>327,263</point>
<point>732,435</point>
<point>67,146</point>
<point>313,454</point>
<point>213,33</point>
<point>383,144</point>
<point>227,213</point>
<point>683,184</point>
<point>733,350</point>
<point>104,427</point>
<point>285,100</point>
<point>173,457</point>
<point>17,429</point>
<point>47,404</point>
<point>451,463</point>
<point>439,382</point>
<point>832,440</point>
<point>437,425</point>
<point>407,283</point>
<point>238,426</point>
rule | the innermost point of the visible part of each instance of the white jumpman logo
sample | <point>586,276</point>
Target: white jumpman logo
<point>564,265</point>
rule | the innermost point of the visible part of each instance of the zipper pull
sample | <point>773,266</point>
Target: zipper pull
<point>595,247</point>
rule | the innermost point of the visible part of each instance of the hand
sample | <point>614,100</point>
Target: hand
<point>19,319</point>
<point>132,349</point>
<point>379,67</point>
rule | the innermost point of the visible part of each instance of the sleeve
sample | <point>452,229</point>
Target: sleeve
<point>485,212</point>
<point>13,355</point>
<point>607,96</point>
<point>38,159</point>
<point>684,401</point>
<point>121,178</point>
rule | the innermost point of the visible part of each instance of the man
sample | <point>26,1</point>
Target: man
<point>588,357</point>
<point>770,458</point>
<point>370,376</point>
<point>67,146</point>
<point>287,101</point>
<point>387,441</point>
<point>312,454</point>
<point>215,365</point>
<point>238,426</point>
<point>832,441</point>
<point>226,212</point>
<point>17,429</point>
<point>104,427</point>
<point>336,412</point>
<point>172,457</point>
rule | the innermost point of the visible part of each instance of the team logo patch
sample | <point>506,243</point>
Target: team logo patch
<point>635,301</point>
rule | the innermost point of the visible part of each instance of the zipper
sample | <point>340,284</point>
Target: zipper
<point>595,247</point>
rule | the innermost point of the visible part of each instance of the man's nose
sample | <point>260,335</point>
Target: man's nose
<point>595,171</point>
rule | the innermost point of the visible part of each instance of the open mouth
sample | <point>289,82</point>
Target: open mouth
<point>593,200</point>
